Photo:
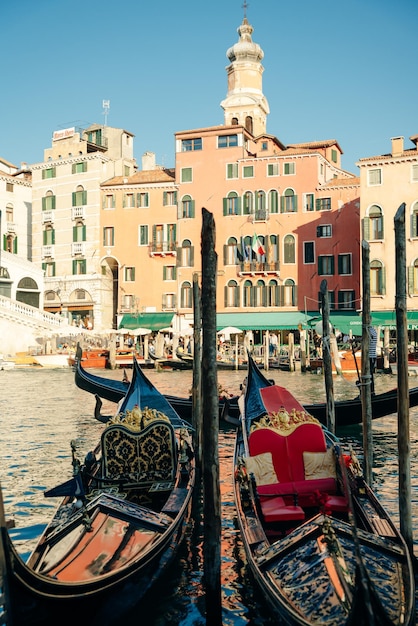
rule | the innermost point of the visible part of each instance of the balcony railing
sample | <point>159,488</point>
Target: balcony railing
<point>77,212</point>
<point>77,248</point>
<point>47,216</point>
<point>163,248</point>
<point>10,228</point>
<point>48,252</point>
<point>256,267</point>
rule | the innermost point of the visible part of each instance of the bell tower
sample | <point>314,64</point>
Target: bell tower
<point>245,103</point>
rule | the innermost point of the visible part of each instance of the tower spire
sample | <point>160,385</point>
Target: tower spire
<point>245,7</point>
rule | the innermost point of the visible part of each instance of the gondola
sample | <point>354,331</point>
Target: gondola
<point>114,390</point>
<point>175,364</point>
<point>122,517</point>
<point>318,543</point>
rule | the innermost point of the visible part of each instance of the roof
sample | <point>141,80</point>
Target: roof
<point>158,175</point>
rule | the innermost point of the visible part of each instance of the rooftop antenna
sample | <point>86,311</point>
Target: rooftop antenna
<point>245,7</point>
<point>106,107</point>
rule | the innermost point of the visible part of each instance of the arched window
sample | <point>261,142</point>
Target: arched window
<point>247,292</point>
<point>9,212</point>
<point>248,203</point>
<point>79,196</point>
<point>260,204</point>
<point>413,278</point>
<point>232,204</point>
<point>288,202</point>
<point>232,294</point>
<point>289,249</point>
<point>273,249</point>
<point>289,292</point>
<point>186,253</point>
<point>249,123</point>
<point>373,224</point>
<point>272,293</point>
<point>260,293</point>
<point>273,201</point>
<point>231,252</point>
<point>186,207</point>
<point>414,220</point>
<point>377,279</point>
<point>48,201</point>
<point>186,296</point>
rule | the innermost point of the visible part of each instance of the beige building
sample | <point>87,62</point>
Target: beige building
<point>387,181</point>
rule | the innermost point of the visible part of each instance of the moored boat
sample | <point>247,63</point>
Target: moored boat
<point>318,542</point>
<point>91,358</point>
<point>123,515</point>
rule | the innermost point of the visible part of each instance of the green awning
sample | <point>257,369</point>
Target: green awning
<point>388,318</point>
<point>286,320</point>
<point>153,321</point>
<point>342,321</point>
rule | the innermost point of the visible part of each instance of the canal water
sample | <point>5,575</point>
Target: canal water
<point>42,410</point>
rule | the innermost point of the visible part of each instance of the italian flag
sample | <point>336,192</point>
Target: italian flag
<point>257,246</point>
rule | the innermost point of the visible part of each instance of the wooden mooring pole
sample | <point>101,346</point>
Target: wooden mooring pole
<point>197,381</point>
<point>365,383</point>
<point>326,356</point>
<point>210,403</point>
<point>404,448</point>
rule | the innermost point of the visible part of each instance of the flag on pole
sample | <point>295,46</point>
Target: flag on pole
<point>257,246</point>
<point>244,250</point>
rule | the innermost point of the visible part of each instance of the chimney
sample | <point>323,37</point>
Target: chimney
<point>397,146</point>
<point>148,161</point>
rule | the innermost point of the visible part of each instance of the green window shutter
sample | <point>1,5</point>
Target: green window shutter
<point>191,255</point>
<point>147,199</point>
<point>124,201</point>
<point>15,245</point>
<point>282,204</point>
<point>225,296</point>
<point>256,199</point>
<point>414,224</point>
<point>53,198</point>
<point>225,250</point>
<point>225,205</point>
<point>239,206</point>
<point>192,208</point>
<point>84,197</point>
<point>43,204</point>
<point>43,266</point>
<point>366,228</point>
<point>138,200</point>
<point>174,233</point>
<point>178,257</point>
<point>175,197</point>
<point>411,280</point>
<point>73,168</point>
<point>320,264</point>
<point>74,198</point>
<point>164,198</point>
<point>53,236</point>
<point>74,233</point>
<point>318,204</point>
<point>4,242</point>
<point>175,273</point>
<point>264,295</point>
<point>84,232</point>
<point>154,235</point>
<point>295,203</point>
<point>383,281</point>
<point>237,297</point>
<point>332,265</point>
<point>164,272</point>
<point>43,238</point>
<point>179,212</point>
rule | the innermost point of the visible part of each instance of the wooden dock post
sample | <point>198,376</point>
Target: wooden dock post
<point>365,388</point>
<point>210,403</point>
<point>404,447</point>
<point>326,357</point>
<point>197,381</point>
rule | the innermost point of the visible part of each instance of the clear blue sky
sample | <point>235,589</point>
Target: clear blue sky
<point>333,70</point>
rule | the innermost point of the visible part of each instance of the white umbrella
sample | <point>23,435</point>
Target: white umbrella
<point>141,331</point>
<point>230,330</point>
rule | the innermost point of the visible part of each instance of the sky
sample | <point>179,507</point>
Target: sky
<point>332,70</point>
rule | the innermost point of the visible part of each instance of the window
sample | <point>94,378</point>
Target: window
<point>143,234</point>
<point>414,220</point>
<point>326,265</point>
<point>377,279</point>
<point>128,302</point>
<point>260,212</point>
<point>49,269</point>
<point>308,252</point>
<point>232,299</point>
<point>413,279</point>
<point>232,204</point>
<point>289,292</point>
<point>48,236</point>
<point>373,224</point>
<point>170,198</point>
<point>169,272</point>
<point>346,299</point>
<point>289,249</point>
<point>168,301</point>
<point>142,200</point>
<point>186,254</point>
<point>247,293</point>
<point>374,177</point>
<point>415,173</point>
<point>9,187</point>
<point>79,168</point>
<point>248,203</point>
<point>231,170</point>
<point>79,196</point>
<point>186,208</point>
<point>108,236</point>
<point>309,202</point>
<point>272,293</point>
<point>273,201</point>
<point>272,169</point>
<point>126,170</point>
<point>48,202</point>
<point>186,296</point>
<point>79,232</point>
<point>187,145</point>
<point>260,293</point>
<point>325,230</point>
<point>49,173</point>
<point>334,156</point>
<point>9,213</point>
<point>289,169</point>
<point>163,238</point>
<point>323,204</point>
<point>273,249</point>
<point>186,175</point>
<point>248,171</point>
<point>289,202</point>
<point>128,200</point>
<point>129,274</point>
<point>227,141</point>
<point>231,253</point>
<point>344,264</point>
<point>109,201</point>
<point>264,146</point>
<point>80,267</point>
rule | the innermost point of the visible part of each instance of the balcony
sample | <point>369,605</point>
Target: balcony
<point>47,217</point>
<point>10,228</point>
<point>77,212</point>
<point>163,248</point>
<point>255,268</point>
<point>48,252</point>
<point>77,248</point>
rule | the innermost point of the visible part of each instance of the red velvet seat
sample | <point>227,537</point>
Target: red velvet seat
<point>276,510</point>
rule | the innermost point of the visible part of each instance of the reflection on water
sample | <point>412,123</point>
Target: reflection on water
<point>42,410</point>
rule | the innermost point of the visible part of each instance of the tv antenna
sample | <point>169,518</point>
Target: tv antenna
<point>106,107</point>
